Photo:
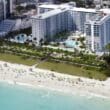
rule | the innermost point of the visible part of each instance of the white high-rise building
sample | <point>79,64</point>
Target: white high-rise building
<point>53,19</point>
<point>97,32</point>
<point>45,26</point>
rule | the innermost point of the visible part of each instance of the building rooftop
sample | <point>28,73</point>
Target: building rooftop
<point>56,6</point>
<point>67,5</point>
<point>100,13</point>
<point>51,6</point>
<point>105,10</point>
<point>49,13</point>
<point>84,10</point>
<point>98,19</point>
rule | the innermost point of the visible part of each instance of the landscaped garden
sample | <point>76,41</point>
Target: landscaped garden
<point>74,63</point>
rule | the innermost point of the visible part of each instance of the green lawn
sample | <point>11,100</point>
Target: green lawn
<point>72,70</point>
<point>58,67</point>
<point>16,59</point>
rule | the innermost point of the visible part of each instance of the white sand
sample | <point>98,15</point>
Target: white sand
<point>27,75</point>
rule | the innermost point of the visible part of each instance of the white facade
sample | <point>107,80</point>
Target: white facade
<point>46,26</point>
<point>98,32</point>
<point>54,19</point>
<point>38,25</point>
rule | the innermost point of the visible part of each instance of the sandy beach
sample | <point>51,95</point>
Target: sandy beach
<point>31,76</point>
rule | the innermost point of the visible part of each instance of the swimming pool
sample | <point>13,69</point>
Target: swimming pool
<point>21,38</point>
<point>70,43</point>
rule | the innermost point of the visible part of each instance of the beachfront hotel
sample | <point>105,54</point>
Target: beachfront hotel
<point>52,19</point>
<point>97,30</point>
<point>50,23</point>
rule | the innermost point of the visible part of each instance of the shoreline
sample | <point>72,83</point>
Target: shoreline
<point>34,77</point>
<point>86,94</point>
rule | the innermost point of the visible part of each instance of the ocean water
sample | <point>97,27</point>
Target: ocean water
<point>16,97</point>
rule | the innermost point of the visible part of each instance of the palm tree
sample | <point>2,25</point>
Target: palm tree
<point>41,41</point>
<point>107,47</point>
<point>34,38</point>
<point>106,56</point>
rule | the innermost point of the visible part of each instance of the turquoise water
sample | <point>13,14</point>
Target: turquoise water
<point>70,43</point>
<point>15,97</point>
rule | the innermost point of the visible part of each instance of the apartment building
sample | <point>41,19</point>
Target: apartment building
<point>97,32</point>
<point>91,22</point>
<point>45,26</point>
